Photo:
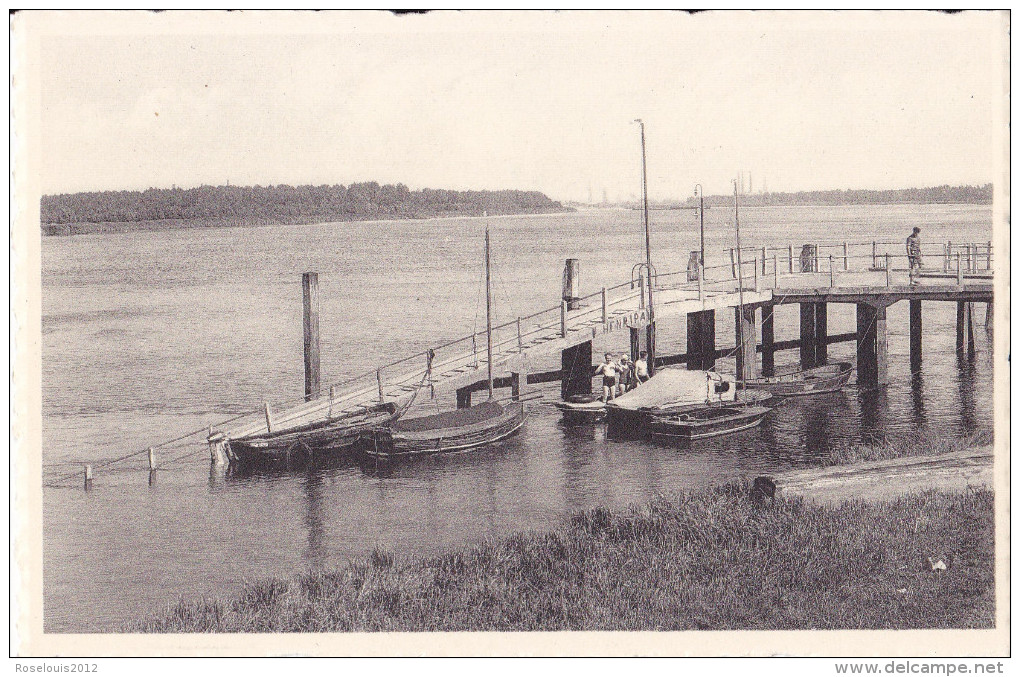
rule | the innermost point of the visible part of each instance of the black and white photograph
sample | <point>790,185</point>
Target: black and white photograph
<point>381,332</point>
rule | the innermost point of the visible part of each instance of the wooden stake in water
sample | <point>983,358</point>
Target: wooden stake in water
<point>152,459</point>
<point>269,418</point>
<point>310,288</point>
<point>88,477</point>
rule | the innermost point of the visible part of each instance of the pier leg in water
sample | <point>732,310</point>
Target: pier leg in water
<point>768,341</point>
<point>310,287</point>
<point>576,370</point>
<point>464,397</point>
<point>515,385</point>
<point>872,348</point>
<point>701,340</point>
<point>747,353</point>
<point>821,334</point>
<point>970,329</point>
<point>915,336</point>
<point>807,336</point>
<point>990,317</point>
<point>961,313</point>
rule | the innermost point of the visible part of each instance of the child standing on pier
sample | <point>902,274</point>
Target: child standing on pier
<point>914,254</point>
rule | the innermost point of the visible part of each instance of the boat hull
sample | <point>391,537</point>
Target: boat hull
<point>418,437</point>
<point>825,379</point>
<point>707,422</point>
<point>582,412</point>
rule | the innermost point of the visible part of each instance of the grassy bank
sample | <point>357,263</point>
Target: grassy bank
<point>925,443</point>
<point>707,560</point>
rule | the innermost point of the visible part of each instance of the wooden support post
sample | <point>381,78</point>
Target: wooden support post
<point>563,319</point>
<point>821,333</point>
<point>733,263</point>
<point>846,256</point>
<point>757,287</point>
<point>635,343</point>
<point>269,418</point>
<point>832,272</point>
<point>575,364</point>
<point>310,288</point>
<point>464,397</point>
<point>990,317</point>
<point>945,259</point>
<point>515,386</point>
<point>378,381</point>
<point>605,307</point>
<point>816,258</point>
<point>571,283</point>
<point>775,268</point>
<point>888,271</point>
<point>874,254</point>
<point>701,340</point>
<point>961,315</point>
<point>641,290</point>
<point>915,336</point>
<point>988,265</point>
<point>701,287</point>
<point>768,340</point>
<point>959,270</point>
<point>807,336</point>
<point>791,258</point>
<point>88,477</point>
<point>872,349</point>
<point>764,258</point>
<point>520,337</point>
<point>747,350</point>
<point>970,329</point>
<point>152,459</point>
<point>650,345</point>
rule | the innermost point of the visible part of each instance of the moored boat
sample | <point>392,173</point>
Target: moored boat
<point>669,389</point>
<point>824,379</point>
<point>708,421</point>
<point>582,409</point>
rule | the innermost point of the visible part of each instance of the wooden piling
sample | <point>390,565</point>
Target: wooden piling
<point>747,350</point>
<point>791,258</point>
<point>635,343</point>
<point>874,254</point>
<point>959,270</point>
<point>515,386</point>
<point>701,340</point>
<point>821,333</point>
<point>961,315</point>
<point>768,340</point>
<point>872,347</point>
<point>575,363</point>
<point>152,459</point>
<point>563,319</point>
<point>846,256</point>
<point>945,259</point>
<point>378,382</point>
<point>970,329</point>
<point>464,397</point>
<point>832,272</point>
<point>88,477</point>
<point>888,271</point>
<point>775,269</point>
<point>520,337</point>
<point>915,336</point>
<point>764,258</point>
<point>310,288</point>
<point>807,336</point>
<point>757,285</point>
<point>990,317</point>
<point>733,263</point>
<point>571,283</point>
<point>988,265</point>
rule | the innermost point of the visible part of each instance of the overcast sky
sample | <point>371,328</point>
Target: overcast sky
<point>541,101</point>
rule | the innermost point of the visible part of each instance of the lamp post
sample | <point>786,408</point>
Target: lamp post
<point>648,254</point>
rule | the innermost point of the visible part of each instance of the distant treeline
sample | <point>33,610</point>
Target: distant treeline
<point>243,205</point>
<point>933,195</point>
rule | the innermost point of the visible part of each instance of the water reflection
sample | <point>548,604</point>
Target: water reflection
<point>315,553</point>
<point>966,365</point>
<point>919,419</point>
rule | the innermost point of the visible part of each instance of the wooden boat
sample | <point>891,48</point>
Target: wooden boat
<point>303,442</point>
<point>456,430</point>
<point>671,389</point>
<point>582,409</point>
<point>825,379</point>
<point>709,421</point>
<point>742,398</point>
<point>450,431</point>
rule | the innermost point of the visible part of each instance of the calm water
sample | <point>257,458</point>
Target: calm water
<point>147,336</point>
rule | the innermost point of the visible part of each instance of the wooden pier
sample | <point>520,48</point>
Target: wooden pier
<point>854,273</point>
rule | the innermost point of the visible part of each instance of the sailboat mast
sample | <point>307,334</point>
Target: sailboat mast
<point>488,309</point>
<point>740,277</point>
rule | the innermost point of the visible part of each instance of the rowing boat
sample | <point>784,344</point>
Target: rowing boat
<point>708,421</point>
<point>582,409</point>
<point>827,378</point>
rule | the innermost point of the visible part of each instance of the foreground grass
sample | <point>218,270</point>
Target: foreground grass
<point>925,443</point>
<point>710,560</point>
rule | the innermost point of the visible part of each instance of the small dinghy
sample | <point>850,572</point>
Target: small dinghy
<point>582,409</point>
<point>827,378</point>
<point>709,421</point>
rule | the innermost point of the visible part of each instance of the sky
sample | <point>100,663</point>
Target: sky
<point>536,101</point>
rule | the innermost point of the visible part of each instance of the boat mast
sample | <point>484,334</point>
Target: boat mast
<point>488,309</point>
<point>650,331</point>
<point>740,278</point>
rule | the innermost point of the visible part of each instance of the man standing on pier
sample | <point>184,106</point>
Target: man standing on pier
<point>914,254</point>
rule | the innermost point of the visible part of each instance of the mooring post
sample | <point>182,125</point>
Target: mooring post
<point>701,340</point>
<point>269,418</point>
<point>747,353</point>
<point>733,263</point>
<point>575,370</point>
<point>88,477</point>
<point>915,336</point>
<point>378,382</point>
<point>874,254</point>
<point>846,256</point>
<point>872,346</point>
<point>563,319</point>
<point>768,340</point>
<point>571,283</point>
<point>515,386</point>
<point>310,287</point>
<point>807,336</point>
<point>152,459</point>
<point>464,397</point>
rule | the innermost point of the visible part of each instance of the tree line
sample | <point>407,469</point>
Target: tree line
<point>286,204</point>
<point>944,194</point>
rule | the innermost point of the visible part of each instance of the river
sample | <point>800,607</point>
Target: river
<point>149,335</point>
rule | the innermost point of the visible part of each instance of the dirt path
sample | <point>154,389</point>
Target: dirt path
<point>885,480</point>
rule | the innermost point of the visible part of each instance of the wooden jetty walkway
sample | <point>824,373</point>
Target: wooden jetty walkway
<point>861,273</point>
